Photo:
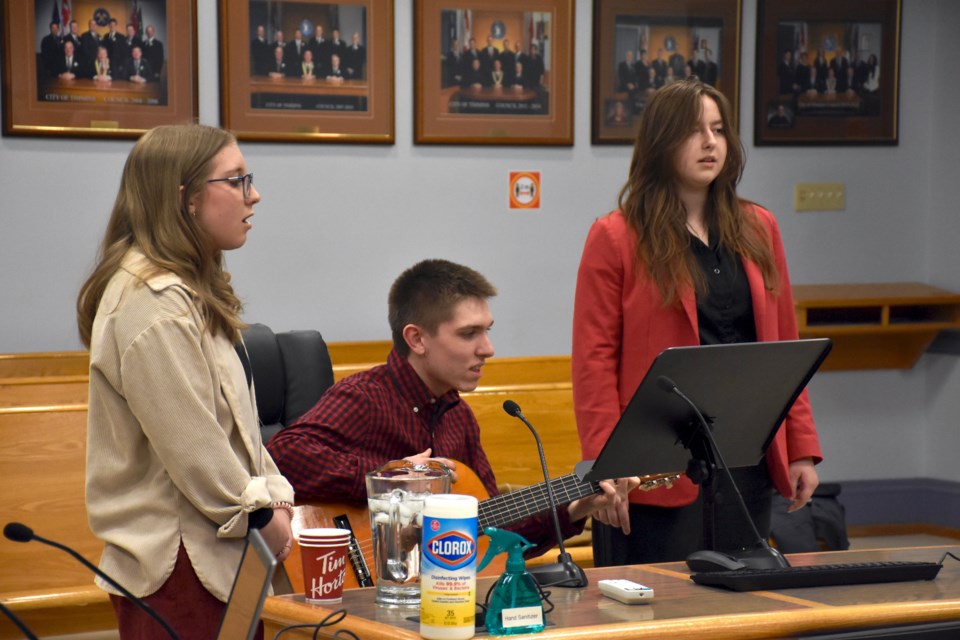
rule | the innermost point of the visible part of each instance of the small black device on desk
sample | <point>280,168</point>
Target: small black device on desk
<point>822,575</point>
<point>706,560</point>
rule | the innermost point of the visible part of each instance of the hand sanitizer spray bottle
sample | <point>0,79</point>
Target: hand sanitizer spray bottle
<point>515,605</point>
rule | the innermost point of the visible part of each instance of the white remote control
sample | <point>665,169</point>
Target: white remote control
<point>625,591</point>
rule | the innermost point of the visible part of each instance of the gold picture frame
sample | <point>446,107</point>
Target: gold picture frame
<point>41,97</point>
<point>481,96</point>
<point>324,89</point>
<point>818,78</point>
<point>640,45</point>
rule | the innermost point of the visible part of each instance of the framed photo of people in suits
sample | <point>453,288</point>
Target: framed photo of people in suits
<point>307,71</point>
<point>494,72</point>
<point>89,68</point>
<point>818,77</point>
<point>639,46</point>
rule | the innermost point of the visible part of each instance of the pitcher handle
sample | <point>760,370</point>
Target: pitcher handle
<point>394,548</point>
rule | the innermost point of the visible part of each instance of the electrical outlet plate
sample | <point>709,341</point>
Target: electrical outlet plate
<point>819,196</point>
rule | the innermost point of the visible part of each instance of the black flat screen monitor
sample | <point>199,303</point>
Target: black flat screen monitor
<point>744,390</point>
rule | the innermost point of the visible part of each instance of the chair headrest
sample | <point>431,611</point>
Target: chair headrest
<point>269,375</point>
<point>308,370</point>
<point>291,370</point>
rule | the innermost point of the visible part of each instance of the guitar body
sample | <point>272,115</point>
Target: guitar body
<point>312,515</point>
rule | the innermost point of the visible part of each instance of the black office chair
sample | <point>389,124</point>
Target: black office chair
<point>290,369</point>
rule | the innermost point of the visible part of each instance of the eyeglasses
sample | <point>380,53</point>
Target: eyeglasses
<point>246,181</point>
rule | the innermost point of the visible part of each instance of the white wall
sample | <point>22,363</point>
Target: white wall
<point>339,222</point>
<point>943,258</point>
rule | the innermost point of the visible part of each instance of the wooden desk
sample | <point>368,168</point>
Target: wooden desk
<point>318,86</point>
<point>121,92</point>
<point>60,612</point>
<point>497,100</point>
<point>348,96</point>
<point>683,610</point>
<point>828,103</point>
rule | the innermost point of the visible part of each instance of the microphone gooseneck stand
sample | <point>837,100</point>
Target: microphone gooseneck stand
<point>707,461</point>
<point>20,624</point>
<point>564,572</point>
<point>22,533</point>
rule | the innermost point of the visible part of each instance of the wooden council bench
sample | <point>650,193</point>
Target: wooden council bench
<point>42,461</point>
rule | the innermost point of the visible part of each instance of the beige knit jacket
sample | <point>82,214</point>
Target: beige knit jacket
<point>173,442</point>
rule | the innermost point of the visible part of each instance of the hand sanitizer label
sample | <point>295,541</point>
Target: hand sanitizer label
<point>522,617</point>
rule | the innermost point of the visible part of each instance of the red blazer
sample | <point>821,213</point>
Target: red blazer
<point>620,325</point>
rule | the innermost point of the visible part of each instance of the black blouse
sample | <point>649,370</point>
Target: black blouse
<point>725,311</point>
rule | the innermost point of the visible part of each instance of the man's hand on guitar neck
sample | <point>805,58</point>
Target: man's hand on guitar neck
<point>610,507</point>
<point>424,457</point>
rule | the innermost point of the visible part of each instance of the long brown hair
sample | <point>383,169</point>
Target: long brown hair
<point>651,204</point>
<point>151,214</point>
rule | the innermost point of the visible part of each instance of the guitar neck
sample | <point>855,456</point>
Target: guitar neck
<point>508,508</point>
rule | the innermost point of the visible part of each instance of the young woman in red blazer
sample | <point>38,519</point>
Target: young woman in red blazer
<point>683,261</point>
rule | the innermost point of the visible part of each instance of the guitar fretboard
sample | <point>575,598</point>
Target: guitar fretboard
<point>508,508</point>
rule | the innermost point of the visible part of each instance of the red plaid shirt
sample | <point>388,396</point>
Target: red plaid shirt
<point>385,414</point>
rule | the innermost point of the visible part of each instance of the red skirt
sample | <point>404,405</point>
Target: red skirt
<point>186,605</point>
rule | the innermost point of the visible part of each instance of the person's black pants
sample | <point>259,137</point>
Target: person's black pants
<point>667,534</point>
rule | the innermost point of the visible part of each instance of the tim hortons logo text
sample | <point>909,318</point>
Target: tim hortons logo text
<point>332,573</point>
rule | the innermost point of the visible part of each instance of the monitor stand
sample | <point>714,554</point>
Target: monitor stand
<point>704,470</point>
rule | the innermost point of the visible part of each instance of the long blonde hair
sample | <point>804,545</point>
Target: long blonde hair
<point>651,204</point>
<point>150,213</point>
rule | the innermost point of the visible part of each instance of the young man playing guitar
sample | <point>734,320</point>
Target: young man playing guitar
<point>410,408</point>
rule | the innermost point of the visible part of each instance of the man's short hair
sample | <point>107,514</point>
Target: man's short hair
<point>426,294</point>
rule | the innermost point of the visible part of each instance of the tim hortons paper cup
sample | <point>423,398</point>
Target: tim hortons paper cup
<point>324,565</point>
<point>323,535</point>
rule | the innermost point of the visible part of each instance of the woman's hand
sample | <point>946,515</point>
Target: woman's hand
<point>278,534</point>
<point>803,481</point>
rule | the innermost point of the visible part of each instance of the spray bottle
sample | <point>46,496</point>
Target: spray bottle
<point>515,605</point>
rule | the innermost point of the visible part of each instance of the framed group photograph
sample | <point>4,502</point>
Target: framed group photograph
<point>819,75</point>
<point>640,46</point>
<point>307,70</point>
<point>90,68</point>
<point>492,72</point>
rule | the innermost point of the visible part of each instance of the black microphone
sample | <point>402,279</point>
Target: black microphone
<point>24,629</point>
<point>763,556</point>
<point>565,572</point>
<point>668,385</point>
<point>22,533</point>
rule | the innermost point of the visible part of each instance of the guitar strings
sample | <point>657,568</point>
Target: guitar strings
<point>511,507</point>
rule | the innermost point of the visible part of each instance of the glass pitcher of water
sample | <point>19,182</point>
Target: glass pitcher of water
<point>395,498</point>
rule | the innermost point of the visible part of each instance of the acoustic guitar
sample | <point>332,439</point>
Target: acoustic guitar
<point>499,511</point>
